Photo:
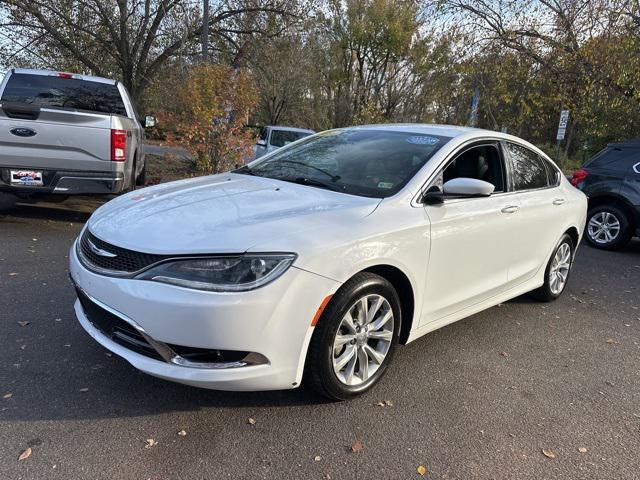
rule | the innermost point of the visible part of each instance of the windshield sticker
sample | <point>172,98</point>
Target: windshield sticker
<point>385,185</point>
<point>422,140</point>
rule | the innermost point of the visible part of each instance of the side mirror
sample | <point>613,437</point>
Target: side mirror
<point>149,121</point>
<point>261,143</point>
<point>458,187</point>
<point>468,187</point>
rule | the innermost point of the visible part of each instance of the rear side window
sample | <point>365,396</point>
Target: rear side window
<point>527,168</point>
<point>552,172</point>
<point>279,138</point>
<point>55,92</point>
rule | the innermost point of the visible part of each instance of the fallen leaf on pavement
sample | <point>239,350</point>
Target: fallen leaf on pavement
<point>317,458</point>
<point>23,323</point>
<point>8,395</point>
<point>582,450</point>
<point>611,341</point>
<point>385,403</point>
<point>504,354</point>
<point>548,453</point>
<point>357,446</point>
<point>12,274</point>
<point>251,421</point>
<point>182,433</point>
<point>421,470</point>
<point>150,443</point>
<point>25,454</point>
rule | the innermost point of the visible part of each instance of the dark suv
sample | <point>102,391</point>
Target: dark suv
<point>611,180</point>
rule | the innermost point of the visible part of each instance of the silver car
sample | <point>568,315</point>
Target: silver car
<point>64,133</point>
<point>273,137</point>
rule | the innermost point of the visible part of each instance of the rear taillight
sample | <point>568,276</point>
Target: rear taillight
<point>578,176</point>
<point>65,75</point>
<point>118,145</point>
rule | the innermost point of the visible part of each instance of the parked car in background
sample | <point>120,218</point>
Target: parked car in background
<point>313,263</point>
<point>611,180</point>
<point>273,137</point>
<point>65,133</point>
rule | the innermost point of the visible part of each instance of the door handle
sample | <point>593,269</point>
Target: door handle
<point>510,209</point>
<point>558,201</point>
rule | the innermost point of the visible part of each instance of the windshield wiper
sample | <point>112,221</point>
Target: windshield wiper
<point>315,183</point>
<point>334,178</point>
<point>245,170</point>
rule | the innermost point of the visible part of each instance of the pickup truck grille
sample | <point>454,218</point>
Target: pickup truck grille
<point>102,257</point>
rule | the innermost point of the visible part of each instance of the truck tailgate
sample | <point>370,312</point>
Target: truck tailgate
<point>63,140</point>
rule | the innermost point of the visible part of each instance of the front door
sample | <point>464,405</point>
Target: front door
<point>472,240</point>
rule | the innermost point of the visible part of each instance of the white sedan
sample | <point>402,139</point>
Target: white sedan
<point>314,262</point>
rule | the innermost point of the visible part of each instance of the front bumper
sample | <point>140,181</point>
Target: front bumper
<point>272,322</point>
<point>65,182</point>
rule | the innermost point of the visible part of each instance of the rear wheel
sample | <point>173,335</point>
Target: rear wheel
<point>142,178</point>
<point>355,338</point>
<point>608,227</point>
<point>556,274</point>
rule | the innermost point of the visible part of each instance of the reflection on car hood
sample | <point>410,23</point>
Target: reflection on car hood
<point>225,213</point>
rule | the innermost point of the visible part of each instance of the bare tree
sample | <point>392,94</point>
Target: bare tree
<point>129,39</point>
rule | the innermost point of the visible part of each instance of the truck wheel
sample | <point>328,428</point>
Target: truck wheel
<point>142,178</point>
<point>7,201</point>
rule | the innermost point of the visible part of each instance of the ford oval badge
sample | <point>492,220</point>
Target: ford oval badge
<point>23,132</point>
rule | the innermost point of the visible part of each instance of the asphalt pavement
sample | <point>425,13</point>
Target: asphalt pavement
<point>524,390</point>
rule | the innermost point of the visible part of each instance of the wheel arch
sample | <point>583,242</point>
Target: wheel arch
<point>404,289</point>
<point>575,236</point>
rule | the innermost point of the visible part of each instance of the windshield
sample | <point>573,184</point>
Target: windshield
<point>365,162</point>
<point>48,91</point>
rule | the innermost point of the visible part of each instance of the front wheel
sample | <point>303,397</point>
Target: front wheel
<point>557,272</point>
<point>355,338</point>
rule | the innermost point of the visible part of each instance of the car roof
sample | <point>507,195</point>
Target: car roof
<point>289,129</point>
<point>426,128</point>
<point>79,76</point>
<point>633,143</point>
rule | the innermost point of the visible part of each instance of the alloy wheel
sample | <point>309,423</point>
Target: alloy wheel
<point>603,227</point>
<point>559,270</point>
<point>363,339</point>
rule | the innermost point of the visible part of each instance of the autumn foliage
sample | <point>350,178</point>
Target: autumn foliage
<point>215,103</point>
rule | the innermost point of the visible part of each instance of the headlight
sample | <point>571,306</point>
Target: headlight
<point>221,274</point>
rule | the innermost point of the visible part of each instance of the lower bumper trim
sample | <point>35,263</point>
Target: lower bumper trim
<point>148,346</point>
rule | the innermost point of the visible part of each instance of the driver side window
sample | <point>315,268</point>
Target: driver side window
<point>482,162</point>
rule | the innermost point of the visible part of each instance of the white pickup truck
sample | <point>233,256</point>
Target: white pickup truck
<point>64,134</point>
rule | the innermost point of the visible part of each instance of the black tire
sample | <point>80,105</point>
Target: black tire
<point>7,202</point>
<point>547,292</point>
<point>622,236</point>
<point>141,180</point>
<point>133,181</point>
<point>319,371</point>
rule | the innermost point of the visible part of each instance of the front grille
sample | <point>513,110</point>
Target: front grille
<point>115,328</point>
<point>123,261</point>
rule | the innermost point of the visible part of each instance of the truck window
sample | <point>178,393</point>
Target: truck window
<point>279,138</point>
<point>72,93</point>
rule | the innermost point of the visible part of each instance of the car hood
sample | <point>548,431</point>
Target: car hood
<point>224,213</point>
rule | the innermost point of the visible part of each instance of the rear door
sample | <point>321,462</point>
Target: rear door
<point>67,122</point>
<point>542,216</point>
